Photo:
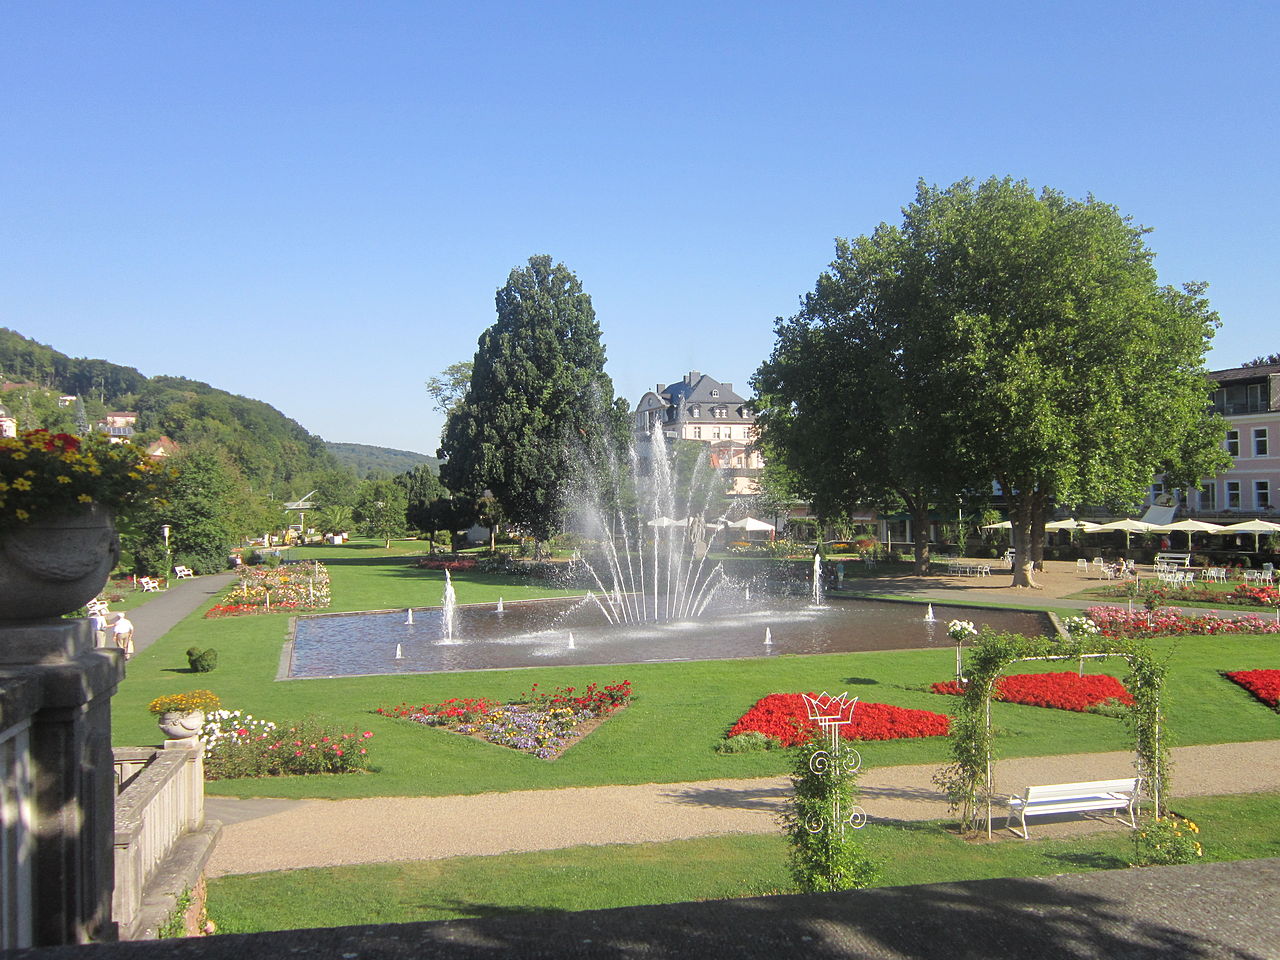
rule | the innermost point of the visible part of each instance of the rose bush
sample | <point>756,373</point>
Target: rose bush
<point>1117,622</point>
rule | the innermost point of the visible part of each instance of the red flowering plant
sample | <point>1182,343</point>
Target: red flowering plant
<point>439,563</point>
<point>1060,691</point>
<point>784,718</point>
<point>44,474</point>
<point>1263,684</point>
<point>296,586</point>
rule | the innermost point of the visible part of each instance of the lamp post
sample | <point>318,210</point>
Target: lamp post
<point>168,557</point>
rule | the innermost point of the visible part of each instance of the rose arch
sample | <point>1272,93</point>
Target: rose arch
<point>967,779</point>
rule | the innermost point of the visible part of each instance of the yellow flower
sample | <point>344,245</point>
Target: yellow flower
<point>21,514</point>
<point>85,498</point>
<point>63,478</point>
<point>22,483</point>
<point>19,455</point>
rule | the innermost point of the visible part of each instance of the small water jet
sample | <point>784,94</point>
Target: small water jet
<point>499,609</point>
<point>409,622</point>
<point>569,645</point>
<point>399,652</point>
<point>448,610</point>
<point>817,579</point>
<point>768,637</point>
<point>928,616</point>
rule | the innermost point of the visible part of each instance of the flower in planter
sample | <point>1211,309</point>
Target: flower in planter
<point>961,630</point>
<point>44,474</point>
<point>205,700</point>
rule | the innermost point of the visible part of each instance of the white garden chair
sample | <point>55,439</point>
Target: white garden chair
<point>1082,565</point>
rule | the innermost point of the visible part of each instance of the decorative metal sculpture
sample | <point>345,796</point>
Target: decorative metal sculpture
<point>830,713</point>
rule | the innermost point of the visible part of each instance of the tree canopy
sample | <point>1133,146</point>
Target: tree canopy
<point>538,407</point>
<point>1008,336</point>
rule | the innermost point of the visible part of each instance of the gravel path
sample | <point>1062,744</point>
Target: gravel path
<point>278,834</point>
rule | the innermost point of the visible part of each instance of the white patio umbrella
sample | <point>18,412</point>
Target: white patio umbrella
<point>1190,526</point>
<point>664,522</point>
<point>1128,525</point>
<point>1071,525</point>
<point>751,523</point>
<point>1002,525</point>
<point>1255,527</point>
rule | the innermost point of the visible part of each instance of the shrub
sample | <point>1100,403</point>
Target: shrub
<point>1161,841</point>
<point>202,661</point>
<point>829,858</point>
<point>750,742</point>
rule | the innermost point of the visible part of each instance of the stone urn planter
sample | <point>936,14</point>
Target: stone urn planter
<point>181,724</point>
<point>55,565</point>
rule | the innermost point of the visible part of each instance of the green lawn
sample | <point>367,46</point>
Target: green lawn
<point>669,733</point>
<point>590,878</point>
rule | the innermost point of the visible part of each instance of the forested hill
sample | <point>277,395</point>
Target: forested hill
<point>273,452</point>
<point>364,459</point>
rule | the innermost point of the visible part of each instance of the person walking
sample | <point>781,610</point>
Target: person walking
<point>122,632</point>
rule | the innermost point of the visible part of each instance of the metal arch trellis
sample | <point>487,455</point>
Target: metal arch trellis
<point>1152,777</point>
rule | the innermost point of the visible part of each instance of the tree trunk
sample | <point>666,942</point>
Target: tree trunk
<point>1020,517</point>
<point>920,535</point>
<point>1037,532</point>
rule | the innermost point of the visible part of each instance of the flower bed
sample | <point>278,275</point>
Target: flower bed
<point>544,724</point>
<point>1244,594</point>
<point>1117,622</point>
<point>297,586</point>
<point>1060,691</point>
<point>453,566</point>
<point>237,745</point>
<point>1263,684</point>
<point>782,718</point>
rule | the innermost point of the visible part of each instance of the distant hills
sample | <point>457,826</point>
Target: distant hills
<point>364,459</point>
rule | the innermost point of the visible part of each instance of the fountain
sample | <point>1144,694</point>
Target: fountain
<point>653,595</point>
<point>448,610</point>
<point>409,622</point>
<point>928,615</point>
<point>399,652</point>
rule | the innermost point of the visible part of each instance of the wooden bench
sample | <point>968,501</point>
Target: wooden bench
<point>1084,797</point>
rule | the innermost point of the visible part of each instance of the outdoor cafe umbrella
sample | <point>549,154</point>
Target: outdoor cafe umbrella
<point>1071,525</point>
<point>751,523</point>
<point>1128,525</point>
<point>664,522</point>
<point>1191,526</point>
<point>1252,526</point>
<point>1002,525</point>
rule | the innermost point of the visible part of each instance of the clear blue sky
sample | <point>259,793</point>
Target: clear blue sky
<point>313,203</point>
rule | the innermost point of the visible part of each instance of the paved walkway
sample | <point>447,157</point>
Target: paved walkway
<point>263,835</point>
<point>159,615</point>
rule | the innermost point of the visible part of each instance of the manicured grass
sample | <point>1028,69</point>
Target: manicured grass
<point>590,878</point>
<point>669,734</point>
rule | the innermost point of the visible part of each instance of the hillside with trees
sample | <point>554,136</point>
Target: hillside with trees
<point>365,459</point>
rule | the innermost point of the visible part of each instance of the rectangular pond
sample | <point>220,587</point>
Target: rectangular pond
<point>572,631</point>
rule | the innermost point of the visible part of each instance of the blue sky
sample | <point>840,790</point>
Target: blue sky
<point>313,203</point>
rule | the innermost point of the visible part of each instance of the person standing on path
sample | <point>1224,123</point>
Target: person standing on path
<point>122,631</point>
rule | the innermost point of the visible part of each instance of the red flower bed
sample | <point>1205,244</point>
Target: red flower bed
<point>1061,691</point>
<point>467,708</point>
<point>1263,684</point>
<point>453,566</point>
<point>782,717</point>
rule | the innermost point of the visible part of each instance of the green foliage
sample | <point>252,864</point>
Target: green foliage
<point>175,925</point>
<point>335,519</point>
<point>448,389</point>
<point>825,855</point>
<point>380,509</point>
<point>363,459</point>
<point>202,661</point>
<point>538,412</point>
<point>972,742</point>
<point>753,741</point>
<point>423,495</point>
<point>1162,841</point>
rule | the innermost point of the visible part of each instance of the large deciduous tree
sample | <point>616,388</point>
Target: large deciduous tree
<point>1043,352</point>
<point>538,407</point>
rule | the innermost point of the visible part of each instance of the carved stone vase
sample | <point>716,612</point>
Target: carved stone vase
<point>181,724</point>
<point>55,565</point>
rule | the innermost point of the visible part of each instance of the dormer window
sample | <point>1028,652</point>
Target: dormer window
<point>715,393</point>
<point>720,413</point>
<point>694,410</point>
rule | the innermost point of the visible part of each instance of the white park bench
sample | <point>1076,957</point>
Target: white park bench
<point>1173,559</point>
<point>149,584</point>
<point>1084,797</point>
<point>183,573</point>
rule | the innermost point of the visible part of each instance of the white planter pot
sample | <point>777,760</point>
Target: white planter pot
<point>181,725</point>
